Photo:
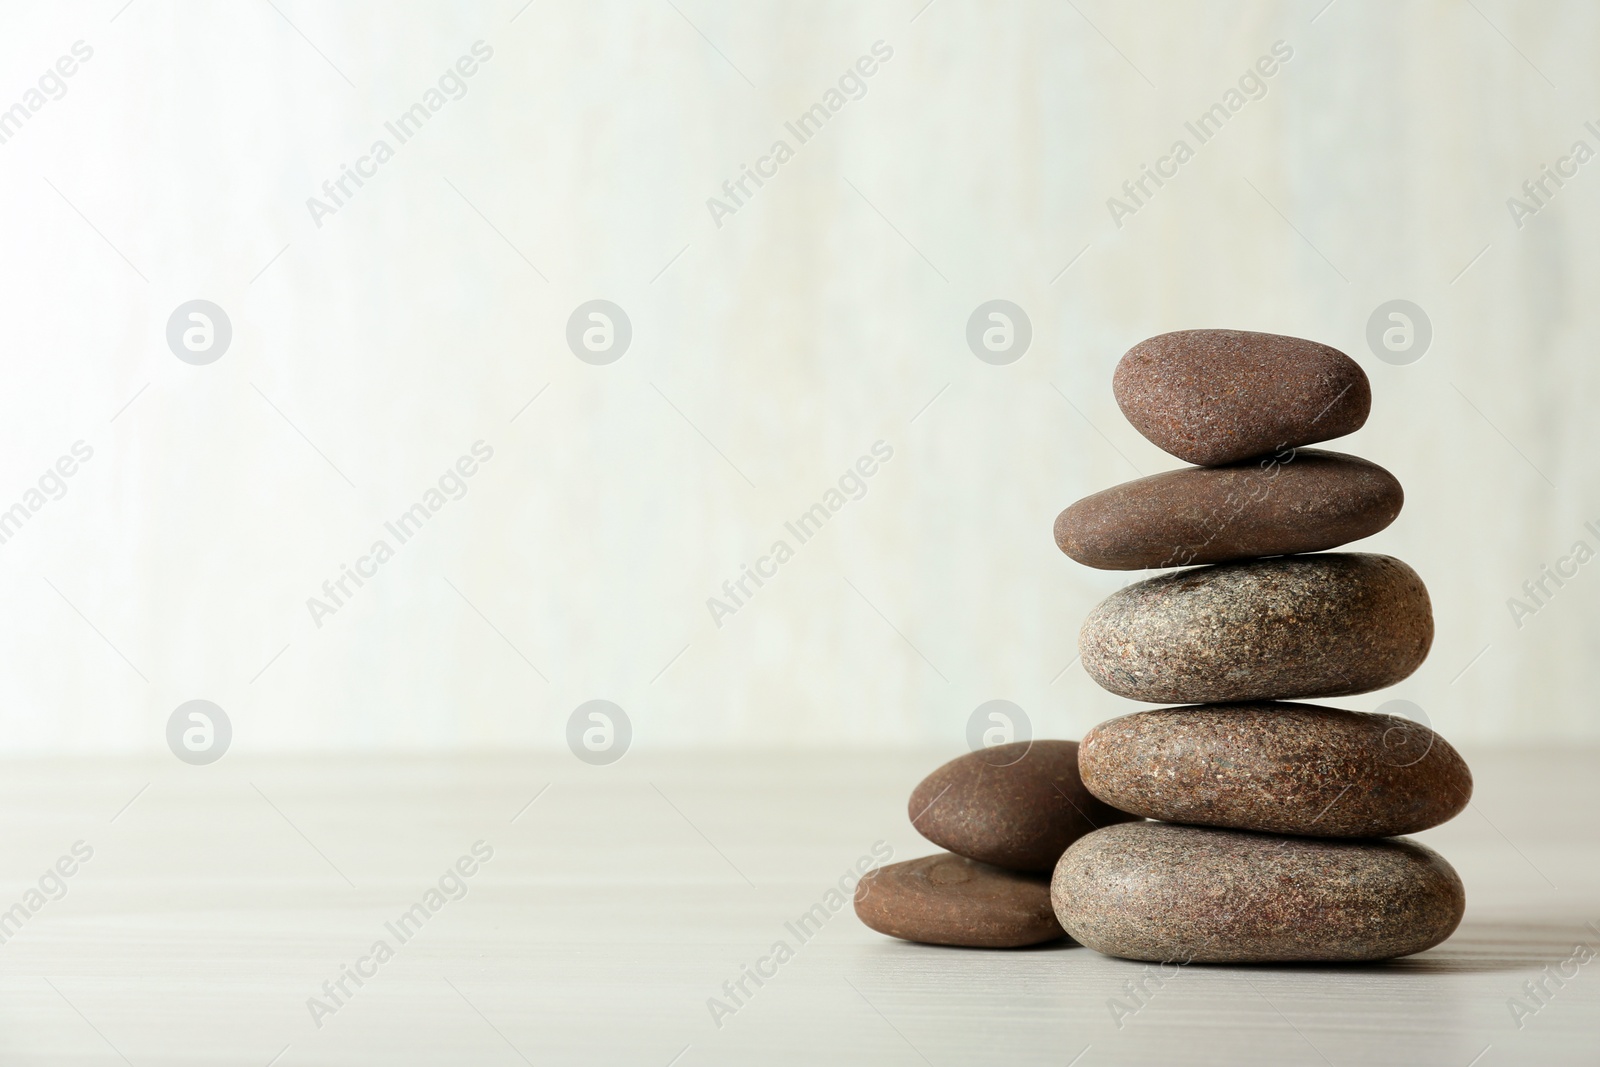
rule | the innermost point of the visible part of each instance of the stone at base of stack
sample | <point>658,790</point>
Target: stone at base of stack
<point>1289,854</point>
<point>1163,892</point>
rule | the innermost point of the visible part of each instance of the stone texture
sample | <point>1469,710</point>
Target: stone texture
<point>1279,768</point>
<point>1153,891</point>
<point>1302,500</point>
<point>951,900</point>
<point>1216,396</point>
<point>1299,626</point>
<point>1016,806</point>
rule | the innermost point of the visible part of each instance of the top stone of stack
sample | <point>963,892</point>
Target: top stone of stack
<point>1218,396</point>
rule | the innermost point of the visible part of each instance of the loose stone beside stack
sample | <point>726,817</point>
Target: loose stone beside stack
<point>946,899</point>
<point>1237,636</point>
<point>1006,814</point>
<point>1016,806</point>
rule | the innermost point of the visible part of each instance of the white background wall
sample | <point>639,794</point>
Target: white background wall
<point>768,354</point>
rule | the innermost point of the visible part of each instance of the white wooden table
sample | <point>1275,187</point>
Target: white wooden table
<point>219,901</point>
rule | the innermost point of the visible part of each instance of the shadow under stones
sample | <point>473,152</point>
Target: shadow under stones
<point>1477,947</point>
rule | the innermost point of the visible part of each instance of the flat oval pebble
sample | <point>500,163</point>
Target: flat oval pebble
<point>1016,806</point>
<point>1278,768</point>
<point>1298,626</point>
<point>1302,500</point>
<point>1216,396</point>
<point>1158,892</point>
<point>951,900</point>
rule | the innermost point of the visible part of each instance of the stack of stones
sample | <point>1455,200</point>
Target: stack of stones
<point>1277,833</point>
<point>1277,838</point>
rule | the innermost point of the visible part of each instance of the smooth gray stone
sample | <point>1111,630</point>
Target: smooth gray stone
<point>1189,894</point>
<point>1324,625</point>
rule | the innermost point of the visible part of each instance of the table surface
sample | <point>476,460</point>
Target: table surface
<point>618,901</point>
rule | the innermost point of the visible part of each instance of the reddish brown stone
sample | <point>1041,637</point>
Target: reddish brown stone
<point>951,900</point>
<point>1303,500</point>
<point>1279,768</point>
<point>1326,625</point>
<point>1016,806</point>
<point>1216,396</point>
<point>1154,891</point>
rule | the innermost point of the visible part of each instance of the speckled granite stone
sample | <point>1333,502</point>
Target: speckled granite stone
<point>1016,806</point>
<point>1279,768</point>
<point>951,900</point>
<point>1154,891</point>
<point>1298,626</point>
<point>1302,500</point>
<point>1215,396</point>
